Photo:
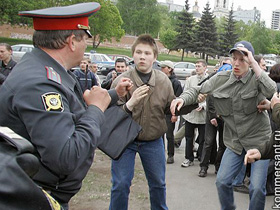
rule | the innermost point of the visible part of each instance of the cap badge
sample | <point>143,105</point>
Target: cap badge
<point>83,27</point>
<point>52,102</point>
<point>240,45</point>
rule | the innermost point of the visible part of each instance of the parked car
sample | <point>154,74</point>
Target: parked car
<point>116,56</point>
<point>156,64</point>
<point>105,69</point>
<point>100,59</point>
<point>183,69</point>
<point>20,49</point>
<point>269,64</point>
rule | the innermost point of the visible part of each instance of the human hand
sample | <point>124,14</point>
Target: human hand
<point>247,55</point>
<point>97,96</point>
<point>176,104</point>
<point>264,105</point>
<point>137,95</point>
<point>174,118</point>
<point>201,97</point>
<point>199,108</point>
<point>275,99</point>
<point>251,156</point>
<point>214,122</point>
<point>114,74</point>
<point>123,86</point>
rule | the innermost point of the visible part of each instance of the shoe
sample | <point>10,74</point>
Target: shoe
<point>241,189</point>
<point>202,172</point>
<point>170,160</point>
<point>187,163</point>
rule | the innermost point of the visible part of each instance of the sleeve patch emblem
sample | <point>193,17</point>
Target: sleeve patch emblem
<point>52,102</point>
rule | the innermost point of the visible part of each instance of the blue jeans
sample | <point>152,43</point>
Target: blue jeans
<point>238,181</point>
<point>152,156</point>
<point>230,166</point>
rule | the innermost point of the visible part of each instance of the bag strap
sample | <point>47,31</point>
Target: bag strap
<point>21,144</point>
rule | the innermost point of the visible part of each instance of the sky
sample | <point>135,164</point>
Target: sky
<point>265,6</point>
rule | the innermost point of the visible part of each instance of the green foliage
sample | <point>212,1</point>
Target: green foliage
<point>206,39</point>
<point>185,25</point>
<point>275,49</point>
<point>229,36</point>
<point>168,39</point>
<point>106,23</point>
<point>11,41</point>
<point>140,16</point>
<point>10,8</point>
<point>261,42</point>
<point>167,32</point>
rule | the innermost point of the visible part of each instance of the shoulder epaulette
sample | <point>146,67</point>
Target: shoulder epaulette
<point>53,75</point>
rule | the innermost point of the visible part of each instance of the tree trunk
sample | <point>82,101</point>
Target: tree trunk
<point>182,58</point>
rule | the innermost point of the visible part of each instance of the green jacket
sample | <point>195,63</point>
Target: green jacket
<point>236,102</point>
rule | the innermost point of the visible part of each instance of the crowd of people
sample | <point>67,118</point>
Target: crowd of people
<point>239,101</point>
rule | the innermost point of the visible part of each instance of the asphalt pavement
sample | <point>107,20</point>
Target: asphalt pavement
<point>187,191</point>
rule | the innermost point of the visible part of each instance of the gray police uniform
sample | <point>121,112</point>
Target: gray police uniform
<point>41,101</point>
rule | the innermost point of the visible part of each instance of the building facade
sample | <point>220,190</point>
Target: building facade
<point>275,20</point>
<point>253,15</point>
<point>221,8</point>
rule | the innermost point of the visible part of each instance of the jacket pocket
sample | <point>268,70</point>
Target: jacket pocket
<point>222,103</point>
<point>249,101</point>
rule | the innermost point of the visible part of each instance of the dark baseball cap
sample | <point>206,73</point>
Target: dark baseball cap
<point>244,44</point>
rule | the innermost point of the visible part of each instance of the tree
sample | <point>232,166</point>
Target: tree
<point>140,16</point>
<point>106,23</point>
<point>167,33</point>
<point>262,42</point>
<point>275,49</point>
<point>229,35</point>
<point>184,28</point>
<point>168,39</point>
<point>206,39</point>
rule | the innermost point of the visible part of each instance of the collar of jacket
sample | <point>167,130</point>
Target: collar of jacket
<point>139,82</point>
<point>244,79</point>
<point>47,60</point>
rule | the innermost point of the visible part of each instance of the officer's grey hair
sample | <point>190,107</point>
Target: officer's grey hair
<point>56,39</point>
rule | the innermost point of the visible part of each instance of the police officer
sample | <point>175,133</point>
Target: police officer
<point>42,101</point>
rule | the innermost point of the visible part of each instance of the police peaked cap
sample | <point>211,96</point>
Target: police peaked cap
<point>73,17</point>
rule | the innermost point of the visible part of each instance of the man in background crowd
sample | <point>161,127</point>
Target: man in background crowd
<point>120,67</point>
<point>6,61</point>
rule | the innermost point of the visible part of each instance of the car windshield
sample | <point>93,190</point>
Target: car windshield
<point>15,48</point>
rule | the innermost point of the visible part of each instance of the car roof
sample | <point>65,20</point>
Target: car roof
<point>23,45</point>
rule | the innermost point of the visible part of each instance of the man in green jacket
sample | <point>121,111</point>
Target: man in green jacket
<point>236,96</point>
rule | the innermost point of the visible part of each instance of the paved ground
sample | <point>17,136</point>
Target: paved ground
<point>185,190</point>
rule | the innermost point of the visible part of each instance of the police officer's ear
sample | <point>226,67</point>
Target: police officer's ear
<point>71,42</point>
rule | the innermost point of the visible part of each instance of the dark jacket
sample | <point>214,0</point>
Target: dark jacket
<point>176,84</point>
<point>86,79</point>
<point>43,102</point>
<point>267,149</point>
<point>5,71</point>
